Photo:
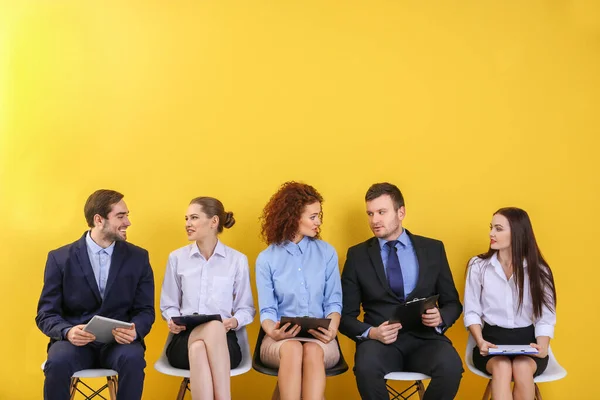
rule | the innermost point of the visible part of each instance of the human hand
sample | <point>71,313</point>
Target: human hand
<point>542,350</point>
<point>78,337</point>
<point>230,323</point>
<point>278,333</point>
<point>484,347</point>
<point>432,317</point>
<point>386,333</point>
<point>174,328</point>
<point>324,335</point>
<point>124,335</point>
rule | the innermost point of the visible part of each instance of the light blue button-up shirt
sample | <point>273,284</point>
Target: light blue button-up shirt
<point>298,280</point>
<point>408,261</point>
<point>100,259</point>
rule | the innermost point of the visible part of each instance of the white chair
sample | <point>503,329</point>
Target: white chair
<point>417,386</point>
<point>553,372</point>
<point>163,366</point>
<point>111,382</point>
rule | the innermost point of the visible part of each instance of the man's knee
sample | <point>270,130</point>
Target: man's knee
<point>450,366</point>
<point>131,358</point>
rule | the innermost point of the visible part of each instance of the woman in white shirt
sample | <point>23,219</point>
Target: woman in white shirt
<point>207,277</point>
<point>510,293</point>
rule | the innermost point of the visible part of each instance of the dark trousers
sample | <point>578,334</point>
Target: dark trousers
<point>434,357</point>
<point>64,359</point>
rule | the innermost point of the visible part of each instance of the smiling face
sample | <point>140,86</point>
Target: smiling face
<point>500,236</point>
<point>114,227</point>
<point>384,220</point>
<point>310,221</point>
<point>198,225</point>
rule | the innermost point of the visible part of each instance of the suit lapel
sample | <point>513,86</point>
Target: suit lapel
<point>375,254</point>
<point>421,253</point>
<point>83,260</point>
<point>116,262</point>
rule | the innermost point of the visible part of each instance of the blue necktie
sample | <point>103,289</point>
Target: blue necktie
<point>394,272</point>
<point>102,273</point>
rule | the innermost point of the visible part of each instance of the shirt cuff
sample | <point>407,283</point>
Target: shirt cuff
<point>544,330</point>
<point>365,335</point>
<point>268,315</point>
<point>332,309</point>
<point>472,319</point>
<point>64,332</point>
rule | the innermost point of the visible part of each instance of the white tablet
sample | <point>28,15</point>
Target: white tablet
<point>102,327</point>
<point>512,349</point>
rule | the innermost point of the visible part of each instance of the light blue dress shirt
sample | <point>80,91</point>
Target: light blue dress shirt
<point>100,259</point>
<point>408,261</point>
<point>298,280</point>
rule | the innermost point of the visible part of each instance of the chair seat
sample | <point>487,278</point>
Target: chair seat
<point>406,376</point>
<point>91,373</point>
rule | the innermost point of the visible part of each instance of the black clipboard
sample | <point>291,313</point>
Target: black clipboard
<point>305,324</point>
<point>409,313</point>
<point>192,321</point>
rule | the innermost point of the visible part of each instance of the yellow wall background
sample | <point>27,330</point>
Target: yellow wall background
<point>466,105</point>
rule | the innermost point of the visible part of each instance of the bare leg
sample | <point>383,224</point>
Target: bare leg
<point>313,372</point>
<point>523,370</point>
<point>209,370</point>
<point>290,370</point>
<point>501,370</point>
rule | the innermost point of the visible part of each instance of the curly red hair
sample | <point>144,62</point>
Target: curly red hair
<point>281,216</point>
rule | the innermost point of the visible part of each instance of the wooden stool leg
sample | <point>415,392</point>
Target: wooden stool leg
<point>275,395</point>
<point>420,389</point>
<point>487,395</point>
<point>73,388</point>
<point>538,395</point>
<point>183,388</point>
<point>111,382</point>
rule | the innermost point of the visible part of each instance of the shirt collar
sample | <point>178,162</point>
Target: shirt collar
<point>404,240</point>
<point>95,248</point>
<point>297,249</point>
<point>219,249</point>
<point>496,263</point>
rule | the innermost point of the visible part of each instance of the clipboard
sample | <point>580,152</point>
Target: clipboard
<point>509,349</point>
<point>102,327</point>
<point>305,324</point>
<point>192,321</point>
<point>409,313</point>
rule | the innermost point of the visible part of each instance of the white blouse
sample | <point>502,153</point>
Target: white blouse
<point>220,285</point>
<point>492,299</point>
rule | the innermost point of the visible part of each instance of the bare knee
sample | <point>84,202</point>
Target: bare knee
<point>291,351</point>
<point>500,368</point>
<point>196,348</point>
<point>523,369</point>
<point>312,353</point>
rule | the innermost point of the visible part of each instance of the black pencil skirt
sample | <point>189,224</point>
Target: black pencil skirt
<point>178,356</point>
<point>498,335</point>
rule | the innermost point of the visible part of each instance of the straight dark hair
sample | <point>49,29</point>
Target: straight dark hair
<point>379,189</point>
<point>524,248</point>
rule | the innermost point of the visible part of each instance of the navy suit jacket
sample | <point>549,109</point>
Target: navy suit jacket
<point>70,295</point>
<point>364,284</point>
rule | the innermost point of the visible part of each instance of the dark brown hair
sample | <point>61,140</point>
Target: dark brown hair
<point>524,248</point>
<point>211,207</point>
<point>281,216</point>
<point>100,202</point>
<point>379,189</point>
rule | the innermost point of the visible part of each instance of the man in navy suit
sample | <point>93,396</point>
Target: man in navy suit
<point>99,274</point>
<point>387,270</point>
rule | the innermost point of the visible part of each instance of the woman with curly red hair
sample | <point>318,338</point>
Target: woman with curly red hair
<point>297,275</point>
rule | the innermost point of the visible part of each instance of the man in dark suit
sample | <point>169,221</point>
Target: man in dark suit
<point>99,274</point>
<point>394,267</point>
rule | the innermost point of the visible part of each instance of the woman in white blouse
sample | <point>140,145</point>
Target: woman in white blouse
<point>510,293</point>
<point>207,277</point>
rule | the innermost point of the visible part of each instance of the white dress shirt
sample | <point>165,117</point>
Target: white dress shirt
<point>220,285</point>
<point>492,299</point>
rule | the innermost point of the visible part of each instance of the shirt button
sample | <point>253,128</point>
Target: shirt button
<point>299,269</point>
